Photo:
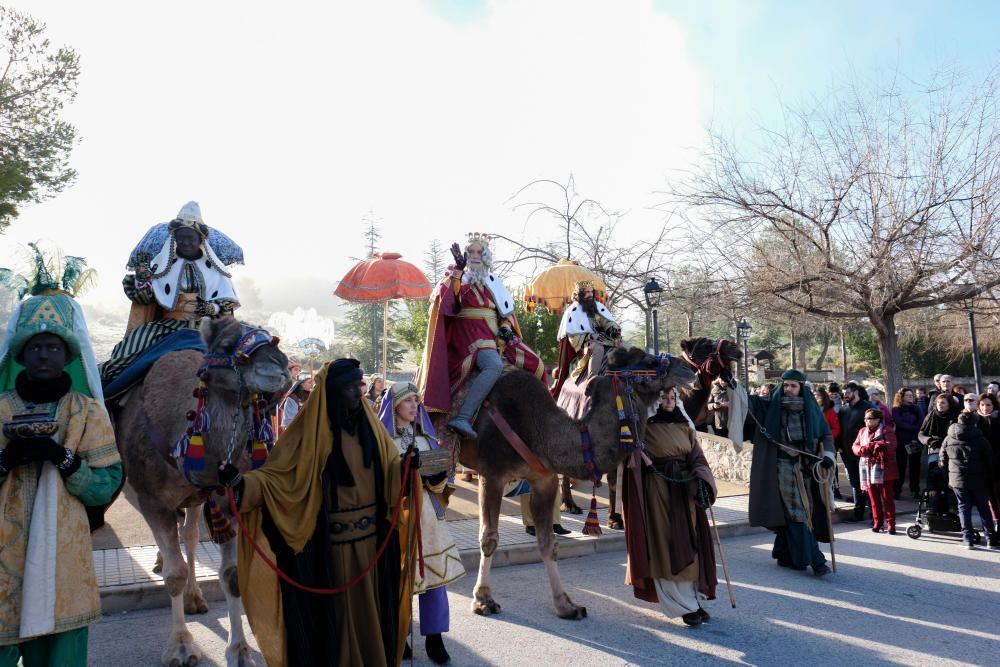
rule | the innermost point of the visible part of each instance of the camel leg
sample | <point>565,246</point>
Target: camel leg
<point>543,493</point>
<point>490,497</point>
<point>238,652</point>
<point>194,601</point>
<point>614,518</point>
<point>568,504</point>
<point>181,649</point>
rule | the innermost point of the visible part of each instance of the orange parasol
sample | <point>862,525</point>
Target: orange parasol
<point>383,278</point>
<point>553,288</point>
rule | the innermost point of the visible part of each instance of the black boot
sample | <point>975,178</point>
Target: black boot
<point>407,652</point>
<point>559,530</point>
<point>435,649</point>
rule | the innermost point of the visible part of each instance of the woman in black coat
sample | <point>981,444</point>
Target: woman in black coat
<point>931,435</point>
<point>908,418</point>
<point>989,424</point>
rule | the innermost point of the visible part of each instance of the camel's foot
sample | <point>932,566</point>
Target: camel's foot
<point>194,602</point>
<point>566,609</point>
<point>181,651</point>
<point>158,566</point>
<point>615,521</point>
<point>240,655</point>
<point>488,545</point>
<point>570,506</point>
<point>483,603</point>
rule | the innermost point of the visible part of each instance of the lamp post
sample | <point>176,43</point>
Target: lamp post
<point>973,288</point>
<point>743,330</point>
<point>654,293</point>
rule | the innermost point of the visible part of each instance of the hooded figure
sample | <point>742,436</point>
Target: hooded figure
<point>57,458</point>
<point>789,436</point>
<point>671,558</point>
<point>323,505</point>
<point>171,289</point>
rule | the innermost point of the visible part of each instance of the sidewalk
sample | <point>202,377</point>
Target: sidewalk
<point>127,582</point>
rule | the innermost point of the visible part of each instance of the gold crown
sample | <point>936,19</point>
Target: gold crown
<point>480,238</point>
<point>584,284</point>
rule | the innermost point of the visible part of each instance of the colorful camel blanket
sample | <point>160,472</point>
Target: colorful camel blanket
<point>183,339</point>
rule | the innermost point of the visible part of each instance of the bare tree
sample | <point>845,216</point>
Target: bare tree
<point>875,201</point>
<point>589,233</point>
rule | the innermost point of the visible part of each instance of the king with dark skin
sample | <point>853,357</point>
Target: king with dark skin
<point>188,244</point>
<point>44,357</point>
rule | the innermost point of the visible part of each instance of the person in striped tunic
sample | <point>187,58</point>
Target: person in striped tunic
<point>172,290</point>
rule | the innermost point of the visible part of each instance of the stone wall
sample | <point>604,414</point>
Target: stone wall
<point>726,463</point>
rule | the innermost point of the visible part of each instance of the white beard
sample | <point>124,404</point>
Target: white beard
<point>475,275</point>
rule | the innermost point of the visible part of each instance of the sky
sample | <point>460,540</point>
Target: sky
<point>291,123</point>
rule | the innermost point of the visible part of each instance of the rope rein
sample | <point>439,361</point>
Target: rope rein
<point>353,582</point>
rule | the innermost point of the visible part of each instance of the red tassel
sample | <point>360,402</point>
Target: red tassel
<point>592,526</point>
<point>222,530</point>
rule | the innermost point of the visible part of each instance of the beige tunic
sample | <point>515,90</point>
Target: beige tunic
<point>84,428</point>
<point>442,561</point>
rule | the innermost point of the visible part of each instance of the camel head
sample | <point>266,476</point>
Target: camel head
<point>669,372</point>
<point>261,368</point>
<point>712,357</point>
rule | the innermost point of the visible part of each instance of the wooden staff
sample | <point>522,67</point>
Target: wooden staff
<point>829,519</point>
<point>722,557</point>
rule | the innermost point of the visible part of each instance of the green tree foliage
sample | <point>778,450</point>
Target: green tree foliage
<point>35,143</point>
<point>862,344</point>
<point>363,336</point>
<point>538,329</point>
<point>411,328</point>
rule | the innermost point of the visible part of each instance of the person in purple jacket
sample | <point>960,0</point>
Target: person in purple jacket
<point>908,417</point>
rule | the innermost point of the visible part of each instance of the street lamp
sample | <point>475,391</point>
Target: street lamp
<point>743,331</point>
<point>977,371</point>
<point>654,293</point>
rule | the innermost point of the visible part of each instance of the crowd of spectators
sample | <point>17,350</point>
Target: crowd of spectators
<point>942,446</point>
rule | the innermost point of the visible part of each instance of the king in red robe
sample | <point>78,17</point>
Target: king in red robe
<point>472,326</point>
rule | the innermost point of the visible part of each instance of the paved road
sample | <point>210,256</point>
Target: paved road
<point>893,601</point>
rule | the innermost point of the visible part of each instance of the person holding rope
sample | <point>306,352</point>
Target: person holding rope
<point>677,565</point>
<point>790,438</point>
<point>324,505</point>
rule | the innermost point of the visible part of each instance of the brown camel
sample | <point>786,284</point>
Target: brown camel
<point>554,438</point>
<point>149,420</point>
<point>713,358</point>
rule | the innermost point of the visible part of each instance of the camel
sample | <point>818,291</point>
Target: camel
<point>555,439</point>
<point>712,359</point>
<point>149,420</point>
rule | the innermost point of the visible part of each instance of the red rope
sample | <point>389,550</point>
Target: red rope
<point>350,584</point>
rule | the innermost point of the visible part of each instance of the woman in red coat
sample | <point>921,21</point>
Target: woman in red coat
<point>877,448</point>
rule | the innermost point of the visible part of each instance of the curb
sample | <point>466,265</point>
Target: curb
<point>153,595</point>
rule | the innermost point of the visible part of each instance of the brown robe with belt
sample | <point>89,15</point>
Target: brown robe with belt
<point>667,533</point>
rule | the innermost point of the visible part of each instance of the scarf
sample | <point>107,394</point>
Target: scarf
<point>42,391</point>
<point>661,416</point>
<point>793,418</point>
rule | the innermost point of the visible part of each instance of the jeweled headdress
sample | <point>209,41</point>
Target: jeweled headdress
<point>480,238</point>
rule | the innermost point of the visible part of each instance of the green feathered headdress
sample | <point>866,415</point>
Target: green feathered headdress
<point>49,273</point>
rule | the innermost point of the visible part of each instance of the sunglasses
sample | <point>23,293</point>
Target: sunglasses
<point>970,400</point>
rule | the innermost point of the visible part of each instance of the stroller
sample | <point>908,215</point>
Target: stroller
<point>949,522</point>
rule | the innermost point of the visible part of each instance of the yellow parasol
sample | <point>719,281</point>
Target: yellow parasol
<point>553,288</point>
